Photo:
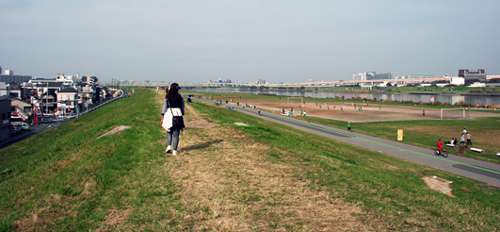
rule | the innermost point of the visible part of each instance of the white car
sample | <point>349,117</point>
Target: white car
<point>25,126</point>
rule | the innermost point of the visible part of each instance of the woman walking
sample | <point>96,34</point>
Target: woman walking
<point>171,106</point>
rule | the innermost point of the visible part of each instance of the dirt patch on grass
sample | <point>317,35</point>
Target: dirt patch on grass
<point>114,219</point>
<point>439,184</point>
<point>196,121</point>
<point>114,131</point>
<point>230,185</point>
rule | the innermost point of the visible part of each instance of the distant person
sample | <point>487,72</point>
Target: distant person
<point>304,113</point>
<point>462,139</point>
<point>258,110</point>
<point>173,101</point>
<point>469,142</point>
<point>349,126</point>
<point>455,142</point>
<point>464,131</point>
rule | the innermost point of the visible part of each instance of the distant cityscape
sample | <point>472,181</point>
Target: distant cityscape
<point>27,100</point>
<point>473,78</point>
<point>24,98</point>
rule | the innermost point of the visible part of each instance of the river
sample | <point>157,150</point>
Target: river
<point>402,96</point>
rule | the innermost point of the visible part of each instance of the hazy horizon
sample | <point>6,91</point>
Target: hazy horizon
<point>277,41</point>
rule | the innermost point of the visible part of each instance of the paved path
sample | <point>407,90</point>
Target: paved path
<point>34,129</point>
<point>475,169</point>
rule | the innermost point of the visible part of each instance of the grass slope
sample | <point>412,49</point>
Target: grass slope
<point>65,179</point>
<point>391,190</point>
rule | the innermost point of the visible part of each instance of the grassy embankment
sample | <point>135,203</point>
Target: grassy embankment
<point>66,179</point>
<point>261,177</point>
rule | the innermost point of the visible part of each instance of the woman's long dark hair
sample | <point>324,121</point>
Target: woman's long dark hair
<point>173,92</point>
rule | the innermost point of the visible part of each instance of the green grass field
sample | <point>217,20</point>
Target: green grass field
<point>424,133</point>
<point>66,179</point>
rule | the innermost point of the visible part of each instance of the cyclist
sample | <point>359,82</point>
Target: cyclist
<point>440,146</point>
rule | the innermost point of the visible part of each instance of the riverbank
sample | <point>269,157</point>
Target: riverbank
<point>226,177</point>
<point>434,89</point>
<point>425,96</point>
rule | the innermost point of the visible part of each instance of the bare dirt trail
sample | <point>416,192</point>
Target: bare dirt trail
<point>227,183</point>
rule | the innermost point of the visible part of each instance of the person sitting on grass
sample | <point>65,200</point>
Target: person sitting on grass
<point>451,143</point>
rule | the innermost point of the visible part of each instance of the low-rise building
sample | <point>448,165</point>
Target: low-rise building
<point>67,101</point>
<point>20,109</point>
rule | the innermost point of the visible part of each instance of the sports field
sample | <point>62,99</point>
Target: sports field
<point>368,113</point>
<point>346,110</point>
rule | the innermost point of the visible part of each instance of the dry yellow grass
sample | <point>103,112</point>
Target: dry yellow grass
<point>228,185</point>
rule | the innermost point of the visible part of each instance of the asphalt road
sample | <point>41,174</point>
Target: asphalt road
<point>475,169</point>
<point>35,129</point>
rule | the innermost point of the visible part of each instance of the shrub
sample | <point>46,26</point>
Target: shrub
<point>461,149</point>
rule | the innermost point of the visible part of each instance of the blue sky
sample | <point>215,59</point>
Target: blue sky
<point>295,41</point>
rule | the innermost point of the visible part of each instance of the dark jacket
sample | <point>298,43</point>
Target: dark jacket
<point>179,103</point>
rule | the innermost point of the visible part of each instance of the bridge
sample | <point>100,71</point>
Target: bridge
<point>370,82</point>
<point>331,83</point>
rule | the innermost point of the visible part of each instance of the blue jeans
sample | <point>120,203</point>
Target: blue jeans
<point>175,133</point>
